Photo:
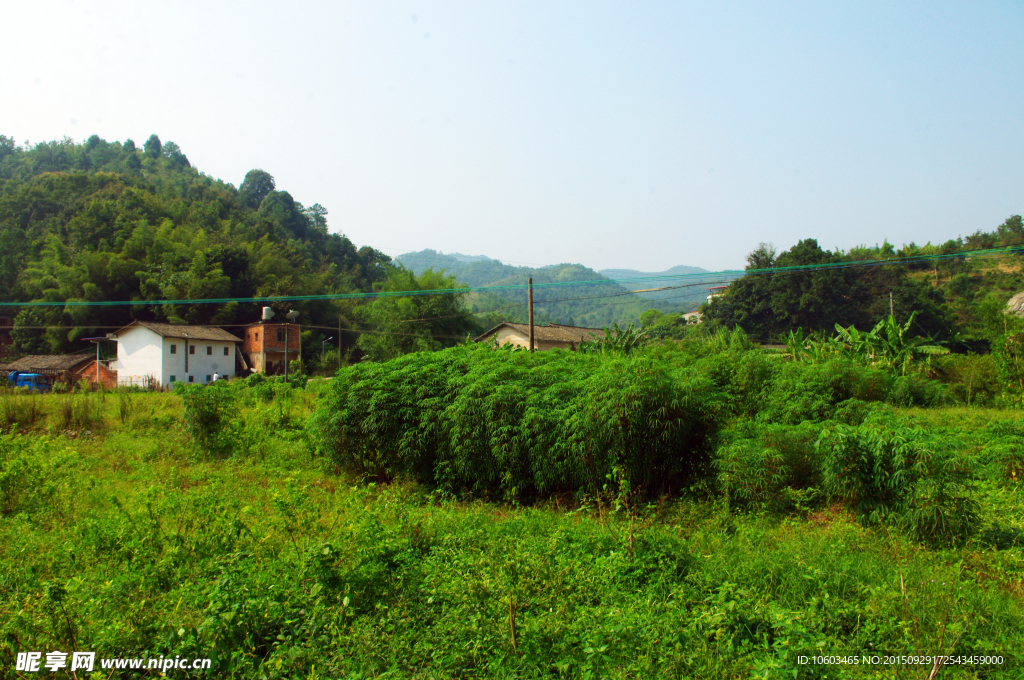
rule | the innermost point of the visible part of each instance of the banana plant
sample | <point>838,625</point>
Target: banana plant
<point>888,345</point>
<point>796,345</point>
<point>899,349</point>
<point>616,340</point>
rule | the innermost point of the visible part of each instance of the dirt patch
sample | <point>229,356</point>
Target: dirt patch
<point>829,516</point>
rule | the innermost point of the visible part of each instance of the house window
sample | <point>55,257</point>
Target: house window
<point>209,350</point>
<point>174,349</point>
<point>280,335</point>
<point>191,349</point>
<point>208,378</point>
<point>225,351</point>
<point>191,378</point>
<point>256,337</point>
<point>173,377</point>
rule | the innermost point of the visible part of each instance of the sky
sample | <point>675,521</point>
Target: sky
<point>616,135</point>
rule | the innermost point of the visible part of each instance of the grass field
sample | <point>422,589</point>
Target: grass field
<point>120,536</point>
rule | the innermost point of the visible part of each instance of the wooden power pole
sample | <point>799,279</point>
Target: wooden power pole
<point>530,288</point>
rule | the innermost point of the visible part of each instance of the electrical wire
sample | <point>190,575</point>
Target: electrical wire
<point>730,274</point>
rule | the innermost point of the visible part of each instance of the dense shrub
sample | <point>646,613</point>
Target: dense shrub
<point>971,379</point>
<point>1004,452</point>
<point>896,474</point>
<point>770,465</point>
<point>517,423</point>
<point>874,469</point>
<point>813,392</point>
<point>916,390</point>
<point>27,477</point>
<point>209,410</point>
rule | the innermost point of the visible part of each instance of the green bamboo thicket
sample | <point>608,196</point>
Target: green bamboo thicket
<point>518,424</point>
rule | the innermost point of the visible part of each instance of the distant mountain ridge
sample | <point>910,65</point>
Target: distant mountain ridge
<point>678,270</point>
<point>468,258</point>
<point>596,302</point>
<point>699,292</point>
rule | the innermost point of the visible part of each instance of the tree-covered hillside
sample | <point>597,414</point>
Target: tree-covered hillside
<point>958,298</point>
<point>107,221</point>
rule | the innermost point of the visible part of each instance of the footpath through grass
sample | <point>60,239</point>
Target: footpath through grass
<point>118,537</point>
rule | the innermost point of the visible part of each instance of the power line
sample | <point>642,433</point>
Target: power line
<point>731,274</point>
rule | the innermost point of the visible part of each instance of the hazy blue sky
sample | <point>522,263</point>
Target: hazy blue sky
<point>639,135</point>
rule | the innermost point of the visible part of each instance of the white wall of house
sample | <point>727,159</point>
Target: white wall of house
<point>138,357</point>
<point>511,336</point>
<point>143,354</point>
<point>209,358</point>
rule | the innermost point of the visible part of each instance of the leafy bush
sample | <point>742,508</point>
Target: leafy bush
<point>1004,452</point>
<point>943,510</point>
<point>916,390</point>
<point>813,392</point>
<point>516,423</point>
<point>769,465</point>
<point>872,468</point>
<point>209,411</point>
<point>27,479</point>
<point>971,379</point>
<point>896,474</point>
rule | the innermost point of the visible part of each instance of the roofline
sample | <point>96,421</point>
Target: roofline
<point>136,322</point>
<point>550,325</point>
<point>486,333</point>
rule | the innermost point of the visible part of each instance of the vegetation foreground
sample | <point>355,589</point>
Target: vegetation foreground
<point>424,518</point>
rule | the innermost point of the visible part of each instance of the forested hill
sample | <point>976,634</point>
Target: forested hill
<point>107,221</point>
<point>697,296</point>
<point>955,292</point>
<point>597,301</point>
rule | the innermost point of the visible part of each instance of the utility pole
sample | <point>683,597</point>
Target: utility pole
<point>891,313</point>
<point>286,351</point>
<point>530,288</point>
<point>339,343</point>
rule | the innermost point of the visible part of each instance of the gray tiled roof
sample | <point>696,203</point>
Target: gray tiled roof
<point>550,333</point>
<point>36,363</point>
<point>173,330</point>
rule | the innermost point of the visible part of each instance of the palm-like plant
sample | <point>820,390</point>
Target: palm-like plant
<point>616,339</point>
<point>888,345</point>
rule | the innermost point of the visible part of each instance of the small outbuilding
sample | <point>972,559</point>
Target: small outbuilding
<point>96,375</point>
<point>551,336</point>
<point>53,367</point>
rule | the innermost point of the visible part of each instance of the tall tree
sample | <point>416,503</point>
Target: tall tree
<point>797,290</point>
<point>152,147</point>
<point>256,186</point>
<point>417,323</point>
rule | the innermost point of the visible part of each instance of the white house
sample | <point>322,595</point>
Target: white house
<point>163,353</point>
<point>551,336</point>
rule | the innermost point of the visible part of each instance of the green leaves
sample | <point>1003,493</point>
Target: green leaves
<point>888,346</point>
<point>896,474</point>
<point>514,423</point>
<point>616,340</point>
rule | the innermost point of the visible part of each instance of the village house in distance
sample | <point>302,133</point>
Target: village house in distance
<point>64,368</point>
<point>150,353</point>
<point>552,336</point>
